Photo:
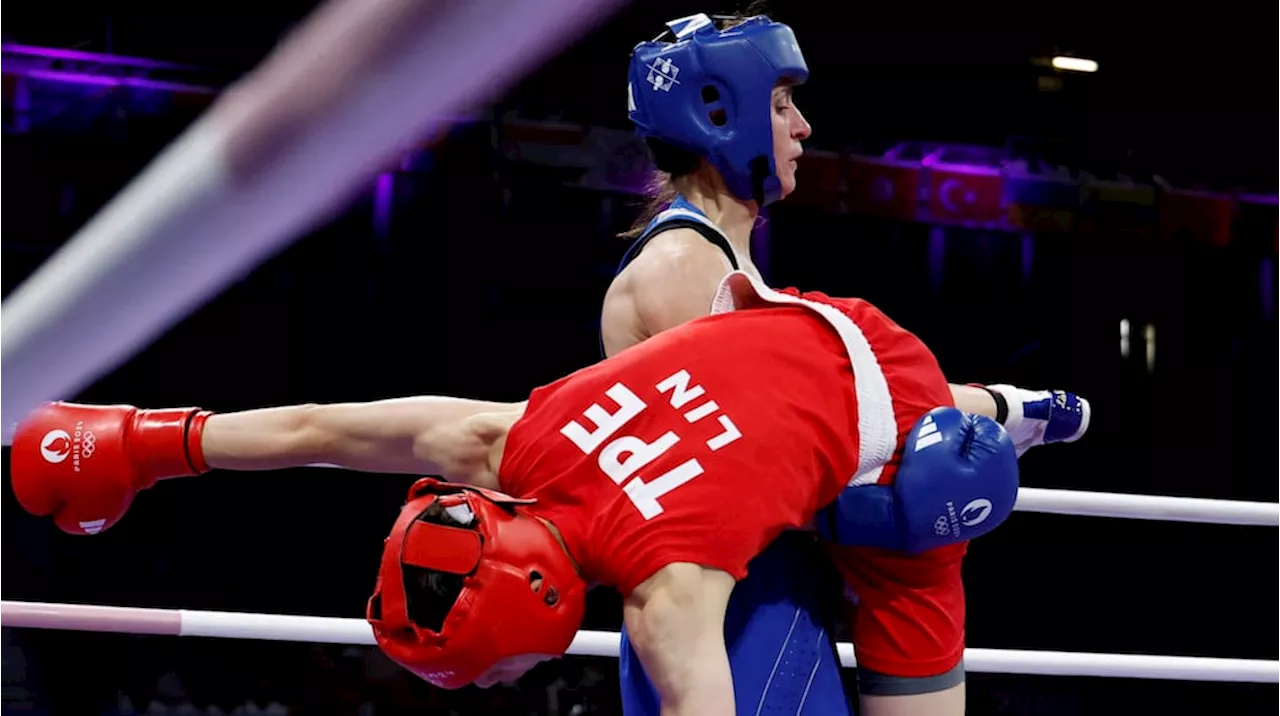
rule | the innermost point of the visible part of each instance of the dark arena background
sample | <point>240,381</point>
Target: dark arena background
<point>1118,239</point>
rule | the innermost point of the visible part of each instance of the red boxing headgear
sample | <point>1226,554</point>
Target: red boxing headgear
<point>498,614</point>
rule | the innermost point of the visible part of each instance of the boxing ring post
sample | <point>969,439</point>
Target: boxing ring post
<point>359,82</point>
<point>330,630</point>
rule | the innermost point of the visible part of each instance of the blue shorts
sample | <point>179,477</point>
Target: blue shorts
<point>780,647</point>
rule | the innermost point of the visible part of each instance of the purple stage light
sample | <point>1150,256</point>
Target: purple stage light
<point>84,78</point>
<point>54,53</point>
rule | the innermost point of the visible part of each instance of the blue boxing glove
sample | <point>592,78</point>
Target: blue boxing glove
<point>958,480</point>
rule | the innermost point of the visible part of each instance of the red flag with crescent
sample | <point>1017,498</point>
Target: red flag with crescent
<point>965,193</point>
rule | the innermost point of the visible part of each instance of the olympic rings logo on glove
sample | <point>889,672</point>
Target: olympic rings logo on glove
<point>87,445</point>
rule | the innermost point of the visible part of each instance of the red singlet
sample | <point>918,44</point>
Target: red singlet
<point>703,443</point>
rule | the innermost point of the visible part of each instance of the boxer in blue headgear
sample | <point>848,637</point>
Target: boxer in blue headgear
<point>711,93</point>
<point>706,102</point>
<point>713,100</point>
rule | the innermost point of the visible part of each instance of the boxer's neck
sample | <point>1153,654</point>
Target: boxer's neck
<point>736,218</point>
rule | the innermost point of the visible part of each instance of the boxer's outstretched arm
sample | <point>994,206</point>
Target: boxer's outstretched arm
<point>451,437</point>
<point>675,620</point>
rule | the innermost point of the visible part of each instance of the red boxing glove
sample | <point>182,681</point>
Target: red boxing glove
<point>84,463</point>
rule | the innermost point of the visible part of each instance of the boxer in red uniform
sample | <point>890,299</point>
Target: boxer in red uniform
<point>661,471</point>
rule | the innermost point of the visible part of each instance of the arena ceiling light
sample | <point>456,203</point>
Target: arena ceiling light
<point>1074,64</point>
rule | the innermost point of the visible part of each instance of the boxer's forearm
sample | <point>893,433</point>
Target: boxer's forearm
<point>422,435</point>
<point>266,439</point>
<point>975,400</point>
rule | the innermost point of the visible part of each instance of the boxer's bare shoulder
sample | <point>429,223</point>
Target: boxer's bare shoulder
<point>671,282</point>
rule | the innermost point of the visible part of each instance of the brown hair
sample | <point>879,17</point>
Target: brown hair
<point>672,163</point>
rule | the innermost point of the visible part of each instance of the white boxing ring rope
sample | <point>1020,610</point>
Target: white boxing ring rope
<point>1148,507</point>
<point>331,630</point>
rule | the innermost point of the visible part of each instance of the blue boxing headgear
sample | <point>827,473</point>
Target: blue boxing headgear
<point>710,91</point>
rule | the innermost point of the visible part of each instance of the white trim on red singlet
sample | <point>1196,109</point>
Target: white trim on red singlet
<point>877,424</point>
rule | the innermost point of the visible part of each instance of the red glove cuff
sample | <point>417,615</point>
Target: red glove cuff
<point>167,443</point>
<point>195,444</point>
